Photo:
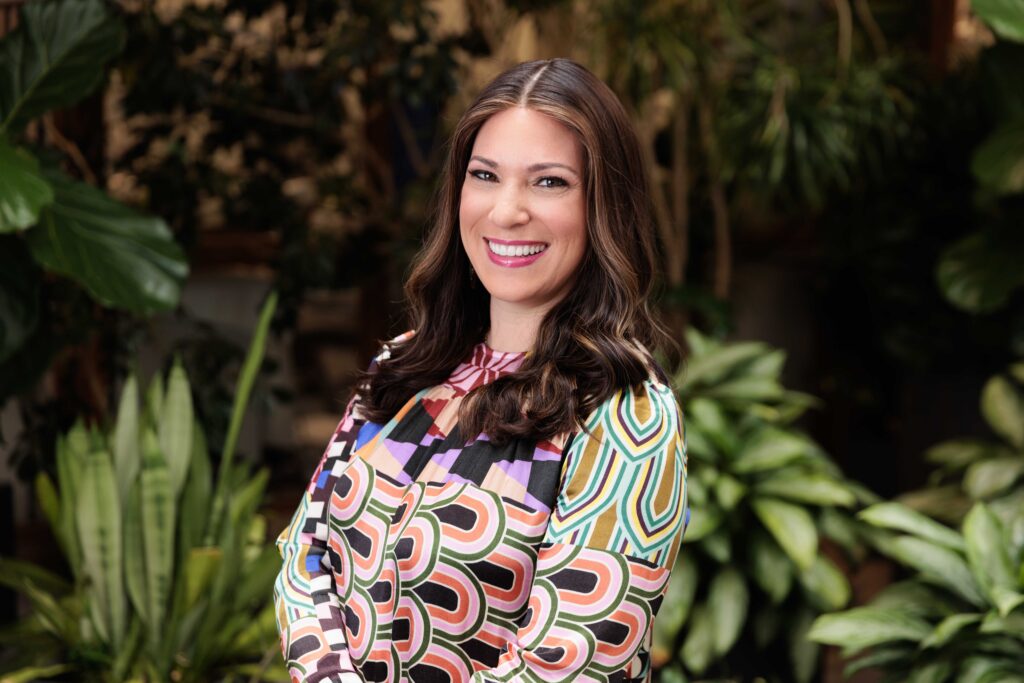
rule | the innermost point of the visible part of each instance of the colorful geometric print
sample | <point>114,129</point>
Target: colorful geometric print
<point>636,446</point>
<point>423,442</point>
<point>590,612</point>
<point>412,557</point>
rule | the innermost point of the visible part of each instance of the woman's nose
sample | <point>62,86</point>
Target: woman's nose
<point>509,208</point>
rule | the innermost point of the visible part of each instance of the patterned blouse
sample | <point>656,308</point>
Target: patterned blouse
<point>417,555</point>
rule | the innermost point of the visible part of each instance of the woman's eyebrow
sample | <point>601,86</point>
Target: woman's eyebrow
<point>533,168</point>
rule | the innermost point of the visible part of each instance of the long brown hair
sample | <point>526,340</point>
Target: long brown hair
<point>593,342</point>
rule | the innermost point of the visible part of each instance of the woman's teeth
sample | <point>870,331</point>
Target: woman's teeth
<point>515,249</point>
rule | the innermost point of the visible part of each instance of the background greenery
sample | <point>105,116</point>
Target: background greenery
<point>869,150</point>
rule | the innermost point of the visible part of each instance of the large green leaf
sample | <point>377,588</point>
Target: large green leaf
<point>1003,408</point>
<point>807,487</point>
<point>950,627</point>
<point>727,600</point>
<point>770,567</point>
<point>23,191</point>
<point>246,380</point>
<point>98,516</point>
<point>135,553</point>
<point>158,532</point>
<point>675,608</point>
<point>827,585</point>
<point>1006,17</point>
<point>54,58</point>
<point>711,367</point>
<point>19,296</point>
<point>792,526</point>
<point>698,648</point>
<point>125,440</point>
<point>901,518</point>
<point>989,478</point>
<point>986,550</point>
<point>862,627</point>
<point>938,564</point>
<point>121,257</point>
<point>978,276</point>
<point>176,426</point>
<point>770,448</point>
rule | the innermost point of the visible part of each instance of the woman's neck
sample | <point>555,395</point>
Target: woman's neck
<point>513,329</point>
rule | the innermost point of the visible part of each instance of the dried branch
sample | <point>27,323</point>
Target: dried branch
<point>69,148</point>
<point>844,46</point>
<point>874,32</point>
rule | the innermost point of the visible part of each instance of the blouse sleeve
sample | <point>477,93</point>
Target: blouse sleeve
<point>611,542</point>
<point>310,616</point>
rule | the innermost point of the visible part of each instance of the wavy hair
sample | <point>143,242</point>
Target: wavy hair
<point>598,338</point>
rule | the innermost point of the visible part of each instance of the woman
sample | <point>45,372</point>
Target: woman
<point>505,495</point>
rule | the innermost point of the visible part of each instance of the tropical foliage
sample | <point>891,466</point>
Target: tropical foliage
<point>753,572</point>
<point>959,618</point>
<point>50,222</point>
<point>975,469</point>
<point>980,272</point>
<point>170,570</point>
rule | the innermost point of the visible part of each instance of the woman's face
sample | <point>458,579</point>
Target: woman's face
<point>522,216</point>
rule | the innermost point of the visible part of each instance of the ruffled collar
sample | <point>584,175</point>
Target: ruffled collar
<point>484,365</point>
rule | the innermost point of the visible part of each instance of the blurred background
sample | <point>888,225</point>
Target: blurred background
<point>207,209</point>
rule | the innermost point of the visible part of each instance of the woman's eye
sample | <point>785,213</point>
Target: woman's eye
<point>552,181</point>
<point>482,175</point>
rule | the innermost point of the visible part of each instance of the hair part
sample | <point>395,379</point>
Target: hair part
<point>593,342</point>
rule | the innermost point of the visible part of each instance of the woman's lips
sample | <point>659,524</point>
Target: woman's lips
<point>513,261</point>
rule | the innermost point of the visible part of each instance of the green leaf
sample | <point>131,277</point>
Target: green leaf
<point>978,276</point>
<point>746,389</point>
<point>682,587</point>
<point>771,448</point>
<point>35,673</point>
<point>986,550</point>
<point>958,453</point>
<point>826,584</point>
<point>250,368</point>
<point>727,600</point>
<point>810,487</point>
<point>729,491</point>
<point>20,282</point>
<point>938,564</point>
<point>176,425</point>
<point>703,521</point>
<point>158,531</point>
<point>54,58</point>
<point>195,501</point>
<point>718,545</point>
<point>98,517</point>
<point>802,650</point>
<point>1003,408</point>
<point>23,191</point>
<point>792,527</point>
<point>1006,17</point>
<point>935,672</point>
<point>124,259</point>
<point>901,518</point>
<point>989,478</point>
<point>49,501</point>
<point>1006,599</point>
<point>200,568</point>
<point>862,627</point>
<point>14,574</point>
<point>698,648</point>
<point>712,366</point>
<point>948,628</point>
<point>125,440</point>
<point>135,554</point>
<point>770,567</point>
<point>768,365</point>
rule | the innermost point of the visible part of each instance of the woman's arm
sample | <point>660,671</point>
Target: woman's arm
<point>612,540</point>
<point>310,616</point>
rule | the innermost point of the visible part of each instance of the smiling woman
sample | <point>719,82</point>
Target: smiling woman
<point>505,494</point>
